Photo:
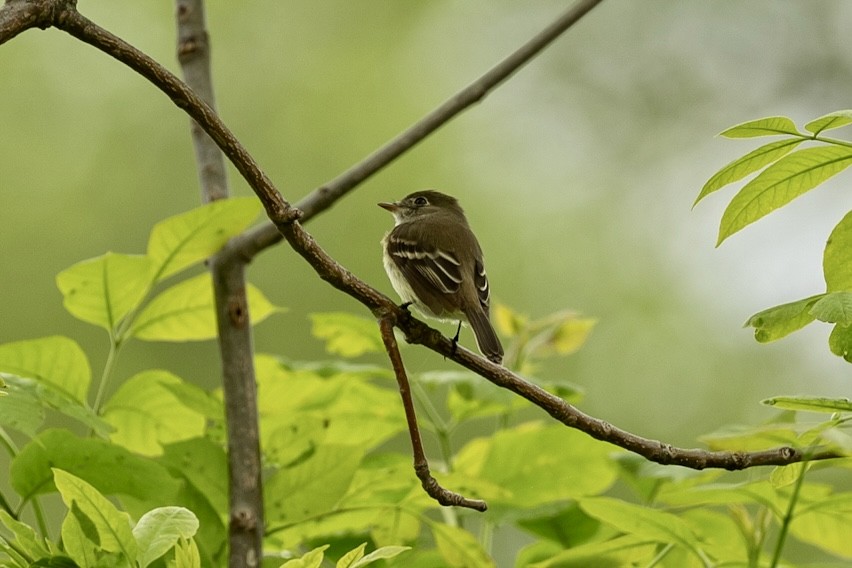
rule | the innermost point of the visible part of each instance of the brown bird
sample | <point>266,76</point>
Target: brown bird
<point>434,263</point>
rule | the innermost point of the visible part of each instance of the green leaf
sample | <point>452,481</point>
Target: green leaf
<point>186,312</point>
<point>26,541</point>
<point>24,409</point>
<point>566,336</point>
<point>346,334</point>
<point>313,486</point>
<point>459,548</point>
<point>769,126</point>
<point>348,559</point>
<point>103,290</point>
<point>160,530</point>
<point>642,522</point>
<point>512,459</point>
<point>840,341</point>
<point>612,553</point>
<point>830,121</point>
<point>146,415</point>
<point>204,465</point>
<point>382,553</point>
<point>187,555</point>
<point>56,360</point>
<point>810,403</point>
<point>108,467</point>
<point>312,559</point>
<point>837,258</point>
<point>748,164</point>
<point>826,524</point>
<point>185,239</point>
<point>112,526</point>
<point>507,321</point>
<point>834,307</point>
<point>782,182</point>
<point>779,321</point>
<point>80,538</point>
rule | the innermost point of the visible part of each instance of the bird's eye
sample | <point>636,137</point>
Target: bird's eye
<point>420,201</point>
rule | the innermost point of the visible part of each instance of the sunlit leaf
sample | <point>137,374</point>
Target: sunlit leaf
<point>837,258</point>
<point>312,559</point>
<point>80,538</point>
<point>840,341</point>
<point>186,312</point>
<point>507,321</point>
<point>567,336</point>
<point>57,360</point>
<point>185,239</point>
<point>459,548</point>
<point>612,553</point>
<point>769,126</point>
<point>111,469</point>
<point>160,530</point>
<point>830,121</point>
<point>26,539</point>
<point>748,164</point>
<point>112,526</point>
<point>202,463</point>
<point>187,555</point>
<point>102,290</point>
<point>779,321</point>
<point>313,486</point>
<point>834,307</point>
<point>642,522</point>
<point>782,182</point>
<point>752,438</point>
<point>346,334</point>
<point>24,410</point>
<point>383,553</point>
<point>146,415</point>
<point>826,524</point>
<point>354,555</point>
<point>810,403</point>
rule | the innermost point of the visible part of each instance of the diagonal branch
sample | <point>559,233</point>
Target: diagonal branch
<point>285,218</point>
<point>421,465</point>
<point>322,198</point>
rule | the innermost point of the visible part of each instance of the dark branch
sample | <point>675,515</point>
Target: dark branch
<point>245,491</point>
<point>326,195</point>
<point>284,216</point>
<point>421,465</point>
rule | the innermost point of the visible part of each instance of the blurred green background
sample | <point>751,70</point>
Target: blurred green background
<point>578,176</point>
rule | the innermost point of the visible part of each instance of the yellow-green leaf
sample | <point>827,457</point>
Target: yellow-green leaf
<point>779,321</point>
<point>782,182</point>
<point>346,334</point>
<point>459,548</point>
<point>750,163</point>
<point>837,257</point>
<point>834,307</point>
<point>112,526</point>
<point>103,290</point>
<point>182,240</point>
<point>146,414</point>
<point>507,321</point>
<point>185,312</point>
<point>769,126</point>
<point>568,336</point>
<point>810,403</point>
<point>830,121</point>
<point>840,341</point>
<point>57,360</point>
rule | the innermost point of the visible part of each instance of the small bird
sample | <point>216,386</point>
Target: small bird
<point>434,263</point>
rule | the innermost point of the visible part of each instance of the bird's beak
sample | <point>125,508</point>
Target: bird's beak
<point>392,207</point>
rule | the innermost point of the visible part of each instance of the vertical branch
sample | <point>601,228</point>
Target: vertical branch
<point>421,466</point>
<point>232,315</point>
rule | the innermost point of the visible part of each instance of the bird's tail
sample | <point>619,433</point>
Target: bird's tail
<point>486,337</point>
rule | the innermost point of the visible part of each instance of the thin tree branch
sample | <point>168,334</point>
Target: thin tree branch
<point>236,350</point>
<point>322,198</point>
<point>421,465</point>
<point>285,217</point>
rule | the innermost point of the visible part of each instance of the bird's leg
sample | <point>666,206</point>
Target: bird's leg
<point>456,339</point>
<point>405,305</point>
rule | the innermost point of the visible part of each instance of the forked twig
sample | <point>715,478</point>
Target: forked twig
<point>421,465</point>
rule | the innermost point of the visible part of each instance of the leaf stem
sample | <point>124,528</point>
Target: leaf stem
<point>109,366</point>
<point>788,515</point>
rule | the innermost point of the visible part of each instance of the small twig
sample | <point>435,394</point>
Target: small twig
<point>327,194</point>
<point>245,490</point>
<point>421,465</point>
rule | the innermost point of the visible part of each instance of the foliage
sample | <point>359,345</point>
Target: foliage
<point>142,474</point>
<point>787,174</point>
